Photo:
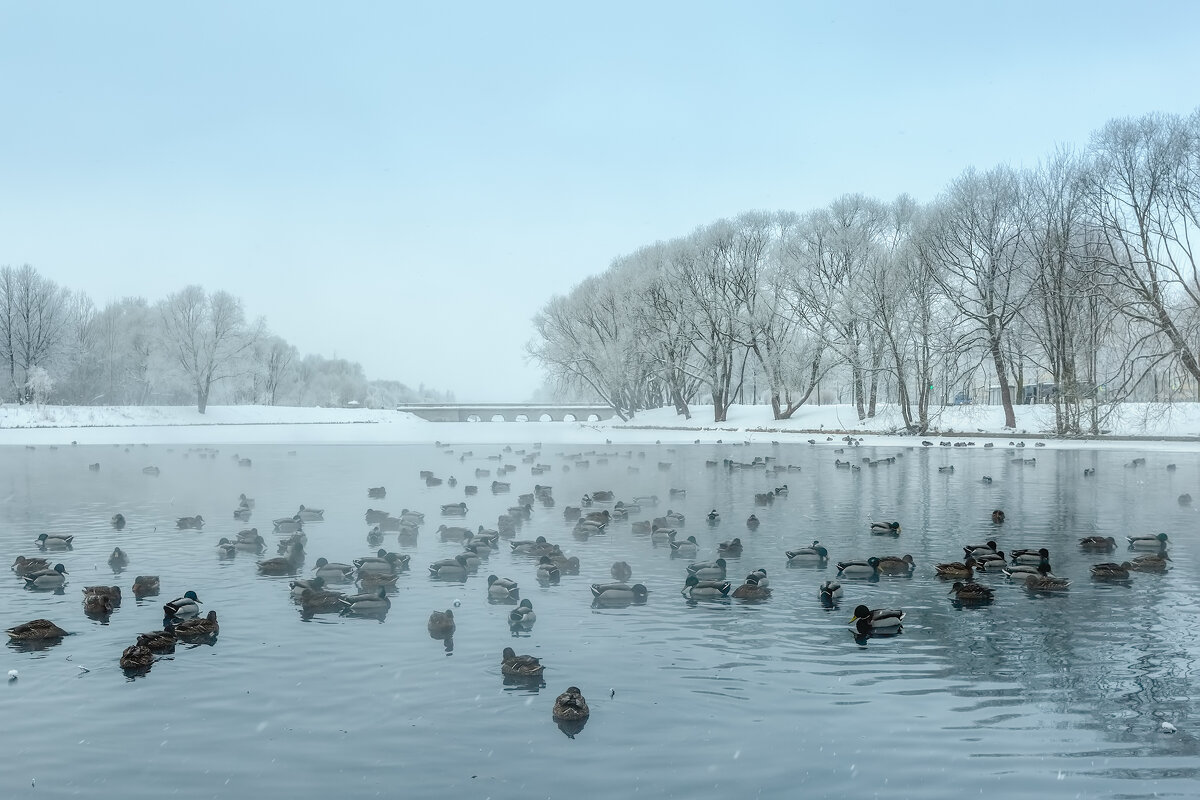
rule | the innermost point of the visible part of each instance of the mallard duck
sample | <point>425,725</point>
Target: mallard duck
<point>366,603</point>
<point>896,565</point>
<point>619,592</point>
<point>829,591</point>
<point>696,589</point>
<point>450,568</point>
<point>990,562</point>
<point>197,628</point>
<point>602,496</point>
<point>885,528</point>
<point>859,569</point>
<point>956,569</point>
<point>25,566</point>
<point>56,542</point>
<point>35,630</point>
<point>226,548</point>
<point>547,570</point>
<point>245,502</point>
<point>674,518</point>
<point>113,593</point>
<point>136,657</point>
<point>647,500</point>
<point>97,605</point>
<point>370,580</point>
<point>752,522</point>
<point>621,571</point>
<point>118,521</point>
<point>1019,571</point>
<point>1150,563</point>
<point>1156,542</point>
<point>570,706</point>
<point>1102,544</point>
<point>118,558</point>
<point>242,514</point>
<point>158,641</point>
<point>288,524</point>
<point>281,565</point>
<point>1029,556</point>
<point>383,563</point>
<point>708,570</point>
<point>980,549</point>
<point>333,570</point>
<point>47,578</point>
<point>307,514</point>
<point>781,490</point>
<point>1111,571</point>
<point>522,615</point>
<point>377,492</point>
<point>732,548</point>
<point>417,517</point>
<point>502,588</point>
<point>297,540</point>
<point>997,519</point>
<point>686,548</point>
<point>971,592</point>
<point>536,547</point>
<point>813,554</point>
<point>714,517</point>
<point>298,586</point>
<point>752,590</point>
<point>190,523</point>
<point>865,620</point>
<point>316,601</point>
<point>454,510</point>
<point>1046,583</point>
<point>441,624</point>
<point>760,575</point>
<point>659,535</point>
<point>567,565</point>
<point>183,607</point>
<point>145,586</point>
<point>516,666</point>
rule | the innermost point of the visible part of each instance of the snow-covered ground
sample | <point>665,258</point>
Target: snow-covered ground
<point>27,425</point>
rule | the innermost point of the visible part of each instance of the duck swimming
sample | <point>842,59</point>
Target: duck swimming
<point>1111,571</point>
<point>145,586</point>
<point>751,589</point>
<point>516,666</point>
<point>829,591</point>
<point>1156,542</point>
<point>956,569</point>
<point>859,569</point>
<point>971,593</point>
<point>183,607</point>
<point>895,565</point>
<point>441,624</point>
<point>696,589</point>
<point>198,628</point>
<point>865,620</point>
<point>26,566</point>
<point>570,706</point>
<point>136,658</point>
<point>367,603</point>
<point>502,588</point>
<point>885,528</point>
<point>813,554</point>
<point>57,542</point>
<point>1101,544</point>
<point>619,593</point>
<point>47,578</point>
<point>621,571</point>
<point>708,570</point>
<point>35,630</point>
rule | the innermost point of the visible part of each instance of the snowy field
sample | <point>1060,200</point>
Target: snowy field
<point>61,425</point>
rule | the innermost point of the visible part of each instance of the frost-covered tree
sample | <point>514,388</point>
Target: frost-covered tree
<point>32,323</point>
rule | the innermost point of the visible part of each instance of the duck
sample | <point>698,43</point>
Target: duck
<point>733,547</point>
<point>97,606</point>
<point>567,565</point>
<point>997,518</point>
<point>621,571</point>
<point>316,601</point>
<point>183,607</point>
<point>376,492</point>
<point>829,591</point>
<point>971,592</point>
<point>1111,571</point>
<point>333,570</point>
<point>502,588</point>
<point>190,523</point>
<point>714,517</point>
<point>687,547</point>
<point>752,589</point>
<point>570,706</point>
<point>695,589</point>
<point>547,570</point>
<point>1102,544</point>
<point>282,565</point>
<point>198,628</point>
<point>56,542</point>
<point>416,517</point>
<point>145,586</point>
<point>1030,556</point>
<point>441,624</point>
<point>307,514</point>
<point>956,569</point>
<point>112,593</point>
<point>885,528</point>
<point>674,518</point>
<point>136,657</point>
<point>1150,563</point>
<point>47,578</point>
<point>454,510</point>
<point>759,575</point>
<point>896,565</point>
<point>619,592</point>
<point>373,580</point>
<point>752,522</point>
<point>522,615</point>
<point>245,502</point>
<point>865,620</point>
<point>859,569</point>
<point>813,554</point>
<point>382,563</point>
<point>242,514</point>
<point>118,558</point>
<point>980,549</point>
<point>450,568</point>
<point>536,547</point>
<point>661,535</point>
<point>288,524</point>
<point>158,641</point>
<point>708,570</point>
<point>602,496</point>
<point>299,585</point>
<point>257,544</point>
<point>226,548</point>
<point>1156,542</point>
<point>25,566</point>
<point>118,521</point>
<point>366,603</point>
<point>1046,583</point>
<point>516,666</point>
<point>35,630</point>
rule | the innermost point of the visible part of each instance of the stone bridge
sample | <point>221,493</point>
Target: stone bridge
<point>508,412</point>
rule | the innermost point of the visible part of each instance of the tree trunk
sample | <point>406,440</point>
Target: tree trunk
<point>202,397</point>
<point>1010,417</point>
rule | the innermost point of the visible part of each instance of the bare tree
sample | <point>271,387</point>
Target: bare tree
<point>207,335</point>
<point>32,323</point>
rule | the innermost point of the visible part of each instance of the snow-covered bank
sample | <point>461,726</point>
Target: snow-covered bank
<point>107,425</point>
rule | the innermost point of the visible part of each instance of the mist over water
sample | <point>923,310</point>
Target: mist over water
<point>1033,695</point>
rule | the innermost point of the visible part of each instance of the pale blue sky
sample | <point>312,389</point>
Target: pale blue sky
<point>407,185</point>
